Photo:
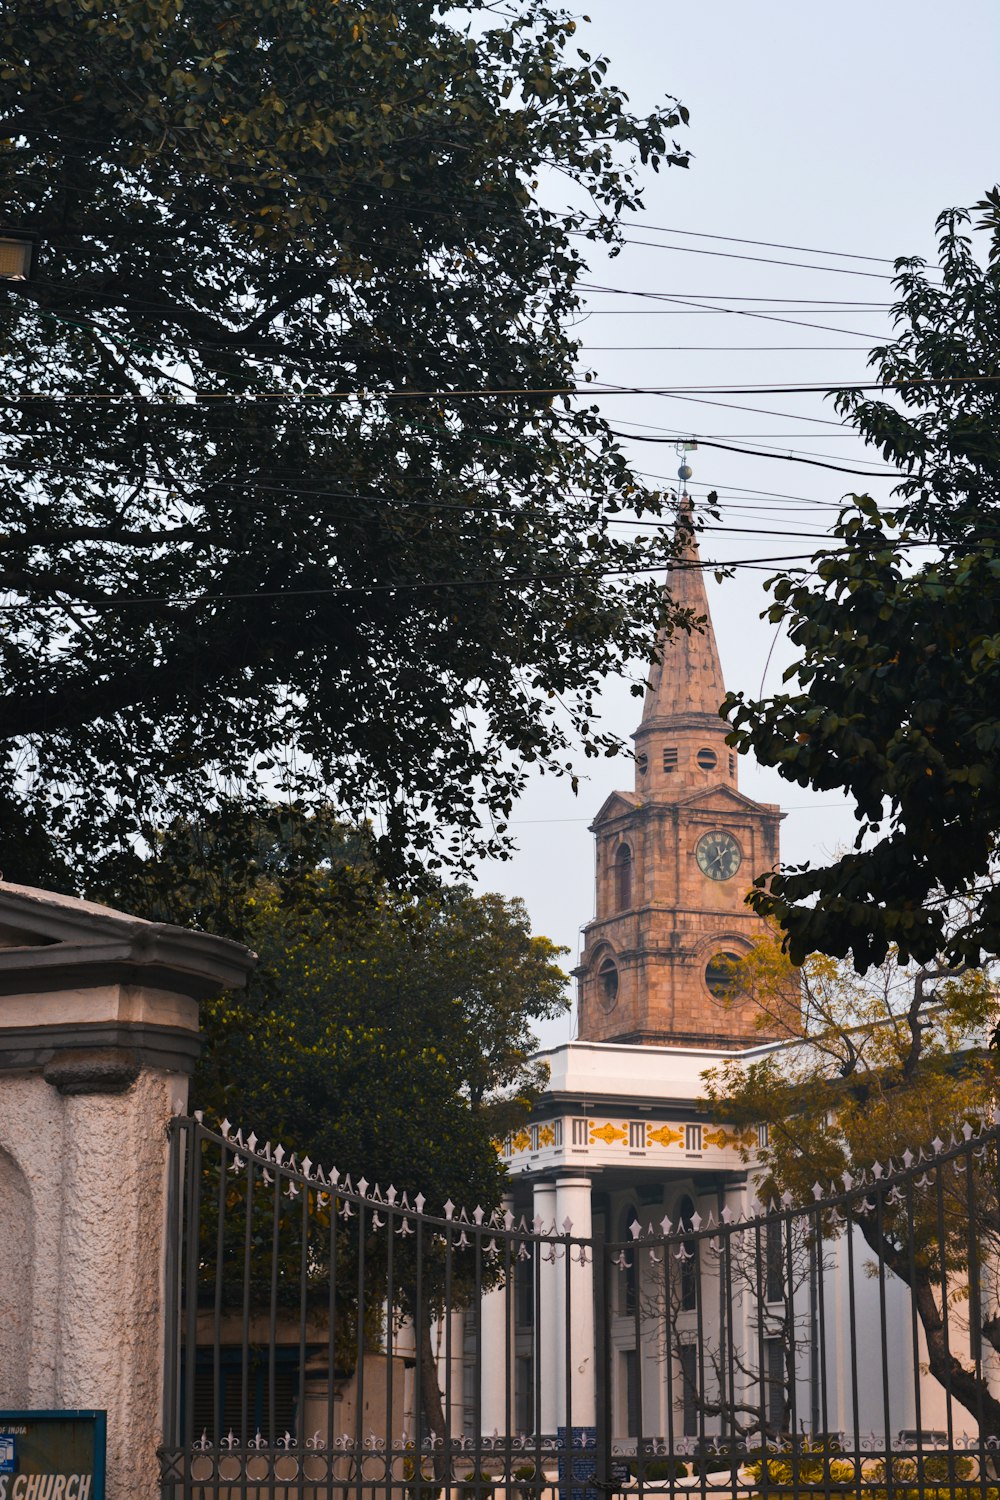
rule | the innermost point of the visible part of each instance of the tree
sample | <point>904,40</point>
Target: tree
<point>889,1062</point>
<point>291,505</point>
<point>753,1398</point>
<point>899,675</point>
<point>387,1037</point>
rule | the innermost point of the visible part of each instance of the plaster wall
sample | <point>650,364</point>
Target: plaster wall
<point>83,1290</point>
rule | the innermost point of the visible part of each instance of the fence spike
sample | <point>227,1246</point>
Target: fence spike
<point>567,1225</point>
<point>449,1209</point>
<point>390,1195</point>
<point>419,1202</point>
<point>478,1214</point>
<point>665,1225</point>
<point>363,1186</point>
<point>635,1229</point>
<point>305,1167</point>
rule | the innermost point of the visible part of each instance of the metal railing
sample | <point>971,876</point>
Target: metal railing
<point>326,1338</point>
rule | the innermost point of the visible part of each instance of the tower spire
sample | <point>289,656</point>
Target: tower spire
<point>680,741</point>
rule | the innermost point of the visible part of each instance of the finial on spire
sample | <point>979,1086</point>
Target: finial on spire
<point>685,471</point>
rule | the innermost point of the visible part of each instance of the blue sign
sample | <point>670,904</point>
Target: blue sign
<point>52,1453</point>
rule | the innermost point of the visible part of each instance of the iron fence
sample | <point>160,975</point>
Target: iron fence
<point>327,1338</point>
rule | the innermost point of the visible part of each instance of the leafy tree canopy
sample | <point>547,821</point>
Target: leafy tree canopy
<point>387,1034</point>
<point>890,1061</point>
<point>272,516</point>
<point>899,676</point>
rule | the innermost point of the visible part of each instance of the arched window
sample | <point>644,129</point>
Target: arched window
<point>689,1258</point>
<point>607,982</point>
<point>623,878</point>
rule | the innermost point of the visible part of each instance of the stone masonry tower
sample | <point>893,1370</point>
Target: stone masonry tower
<point>676,856</point>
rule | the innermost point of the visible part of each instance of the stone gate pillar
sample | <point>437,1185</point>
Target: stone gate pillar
<point>98,1037</point>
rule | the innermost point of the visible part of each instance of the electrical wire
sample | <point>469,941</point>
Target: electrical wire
<point>680,435</point>
<point>721,348</point>
<point>768,260</point>
<point>519,580</point>
<point>752,453</point>
<point>740,312</point>
<point>591,388</point>
<point>733,239</point>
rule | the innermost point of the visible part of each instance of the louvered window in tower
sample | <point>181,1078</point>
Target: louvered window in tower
<point>623,878</point>
<point>670,758</point>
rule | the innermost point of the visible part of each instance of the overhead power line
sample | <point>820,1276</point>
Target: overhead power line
<point>100,606</point>
<point>738,312</point>
<point>721,348</point>
<point>509,392</point>
<point>734,239</point>
<point>788,458</point>
<point>768,260</point>
<point>851,302</point>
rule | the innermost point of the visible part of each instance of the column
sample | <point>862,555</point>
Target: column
<point>497,1351</point>
<point>573,1203</point>
<point>547,1284</point>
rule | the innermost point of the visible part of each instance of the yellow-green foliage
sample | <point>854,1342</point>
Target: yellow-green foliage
<point>950,1492</point>
<point>776,1472</point>
<point>784,1477</point>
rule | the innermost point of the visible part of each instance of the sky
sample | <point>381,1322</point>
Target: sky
<point>842,129</point>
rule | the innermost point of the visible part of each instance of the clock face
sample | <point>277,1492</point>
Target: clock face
<point>718,855</point>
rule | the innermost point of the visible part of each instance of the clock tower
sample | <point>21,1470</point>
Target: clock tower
<point>676,856</point>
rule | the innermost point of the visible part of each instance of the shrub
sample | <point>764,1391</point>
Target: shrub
<point>526,1477</point>
<point>477,1485</point>
<point>655,1469</point>
<point>946,1466</point>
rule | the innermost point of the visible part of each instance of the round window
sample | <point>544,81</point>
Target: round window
<point>642,761</point>
<point>720,976</point>
<point>607,983</point>
<point>707,759</point>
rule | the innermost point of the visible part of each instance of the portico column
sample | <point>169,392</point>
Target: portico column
<point>548,1286</point>
<point>573,1203</point>
<point>497,1362</point>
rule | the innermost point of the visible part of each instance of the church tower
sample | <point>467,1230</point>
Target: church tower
<point>677,855</point>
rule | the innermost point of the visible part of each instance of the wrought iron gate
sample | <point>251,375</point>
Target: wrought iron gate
<point>327,1338</point>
